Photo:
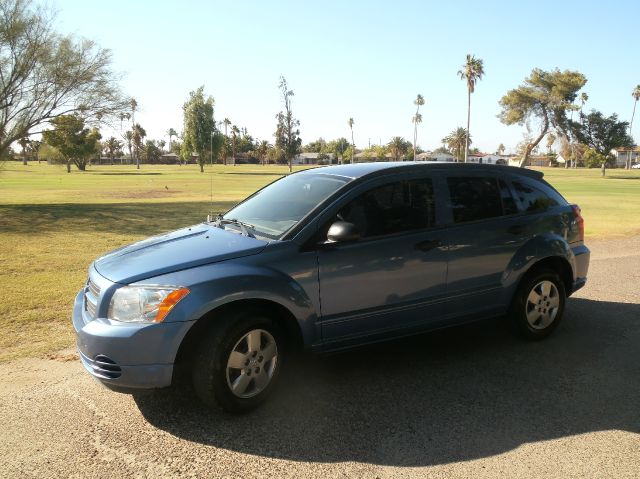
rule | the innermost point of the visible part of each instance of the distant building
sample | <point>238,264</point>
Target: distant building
<point>487,159</point>
<point>622,155</point>
<point>315,158</point>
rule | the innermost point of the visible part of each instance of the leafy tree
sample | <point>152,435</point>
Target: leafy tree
<point>51,154</point>
<point>501,149</point>
<point>602,134</point>
<point>152,152</point>
<point>199,125</point>
<point>44,75</point>
<point>472,71</point>
<point>546,97</point>
<point>338,147</point>
<point>353,144</point>
<point>287,132</point>
<point>111,146</point>
<point>398,147</point>
<point>317,146</point>
<point>456,141</point>
<point>72,139</point>
<point>593,159</point>
<point>551,139</point>
<point>416,119</point>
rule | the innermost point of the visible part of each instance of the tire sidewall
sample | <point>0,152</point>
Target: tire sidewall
<point>210,368</point>
<point>518,310</point>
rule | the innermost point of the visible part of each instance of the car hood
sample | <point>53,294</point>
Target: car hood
<point>177,250</point>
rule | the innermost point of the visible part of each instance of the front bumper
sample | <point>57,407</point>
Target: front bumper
<point>127,356</point>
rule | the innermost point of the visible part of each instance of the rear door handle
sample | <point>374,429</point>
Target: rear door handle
<point>428,245</point>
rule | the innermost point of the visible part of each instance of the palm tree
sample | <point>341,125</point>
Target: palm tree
<point>417,118</point>
<point>138,136</point>
<point>129,137</point>
<point>226,123</point>
<point>456,141</point>
<point>171,133</point>
<point>24,143</point>
<point>353,145</point>
<point>398,147</point>
<point>584,98</point>
<point>501,149</point>
<point>262,150</point>
<point>235,132</point>
<point>551,139</point>
<point>471,71</point>
<point>636,96</point>
<point>134,106</point>
<point>111,146</point>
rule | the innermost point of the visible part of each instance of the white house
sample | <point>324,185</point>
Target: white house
<point>486,159</point>
<point>310,158</point>
<point>622,155</point>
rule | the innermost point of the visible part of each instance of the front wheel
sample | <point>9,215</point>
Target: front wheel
<point>238,362</point>
<point>538,305</point>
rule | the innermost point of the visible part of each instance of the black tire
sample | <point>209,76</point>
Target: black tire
<point>523,312</point>
<point>210,375</point>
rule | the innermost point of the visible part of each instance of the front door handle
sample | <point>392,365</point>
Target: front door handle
<point>428,245</point>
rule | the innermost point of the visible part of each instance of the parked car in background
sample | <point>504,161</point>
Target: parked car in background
<point>327,259</point>
<point>636,166</point>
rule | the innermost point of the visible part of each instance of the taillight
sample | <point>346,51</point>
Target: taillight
<point>579,220</point>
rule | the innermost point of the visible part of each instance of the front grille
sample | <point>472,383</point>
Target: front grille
<point>102,366</point>
<point>91,295</point>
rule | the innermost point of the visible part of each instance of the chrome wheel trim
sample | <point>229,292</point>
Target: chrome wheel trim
<point>542,305</point>
<point>252,363</point>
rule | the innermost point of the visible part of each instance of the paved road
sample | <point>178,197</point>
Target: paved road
<point>473,402</point>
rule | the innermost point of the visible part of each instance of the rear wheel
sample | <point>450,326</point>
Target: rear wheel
<point>238,362</point>
<point>538,305</point>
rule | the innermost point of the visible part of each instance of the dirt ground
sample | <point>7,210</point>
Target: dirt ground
<point>470,402</point>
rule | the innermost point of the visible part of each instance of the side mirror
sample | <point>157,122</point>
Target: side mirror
<point>341,231</point>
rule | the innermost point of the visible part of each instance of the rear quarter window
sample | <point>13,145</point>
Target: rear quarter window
<point>535,199</point>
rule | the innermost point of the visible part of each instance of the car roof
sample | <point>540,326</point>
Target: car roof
<point>360,170</point>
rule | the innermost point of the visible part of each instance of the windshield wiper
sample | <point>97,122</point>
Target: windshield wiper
<point>245,228</point>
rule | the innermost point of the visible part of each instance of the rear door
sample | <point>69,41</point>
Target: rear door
<point>485,232</point>
<point>394,277</point>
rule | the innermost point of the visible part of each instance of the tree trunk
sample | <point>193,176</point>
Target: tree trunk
<point>201,166</point>
<point>531,146</point>
<point>290,164</point>
<point>466,141</point>
<point>68,166</point>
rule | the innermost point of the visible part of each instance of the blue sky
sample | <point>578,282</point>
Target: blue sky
<point>360,59</point>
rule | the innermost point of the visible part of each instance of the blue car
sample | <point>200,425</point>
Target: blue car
<point>324,260</point>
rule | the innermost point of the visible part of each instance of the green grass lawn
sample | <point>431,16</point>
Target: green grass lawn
<point>53,224</point>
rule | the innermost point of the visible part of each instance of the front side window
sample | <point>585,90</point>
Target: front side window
<point>394,208</point>
<point>475,198</point>
<point>279,206</point>
<point>532,199</point>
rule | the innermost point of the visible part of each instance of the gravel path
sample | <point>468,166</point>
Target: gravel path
<point>472,402</point>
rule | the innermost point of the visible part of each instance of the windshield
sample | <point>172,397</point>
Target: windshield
<point>281,205</point>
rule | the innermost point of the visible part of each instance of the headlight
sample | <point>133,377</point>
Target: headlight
<point>144,304</point>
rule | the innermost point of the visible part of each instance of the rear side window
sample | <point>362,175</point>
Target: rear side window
<point>533,200</point>
<point>393,208</point>
<point>476,198</point>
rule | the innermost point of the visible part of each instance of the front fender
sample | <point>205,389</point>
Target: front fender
<point>215,285</point>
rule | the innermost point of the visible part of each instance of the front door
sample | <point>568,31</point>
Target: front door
<point>394,276</point>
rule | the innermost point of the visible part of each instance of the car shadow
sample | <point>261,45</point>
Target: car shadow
<point>461,394</point>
